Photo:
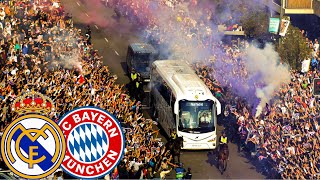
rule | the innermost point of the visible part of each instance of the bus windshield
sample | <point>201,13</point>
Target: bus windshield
<point>196,116</point>
<point>141,62</point>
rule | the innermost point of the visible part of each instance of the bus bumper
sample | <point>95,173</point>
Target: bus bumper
<point>199,146</point>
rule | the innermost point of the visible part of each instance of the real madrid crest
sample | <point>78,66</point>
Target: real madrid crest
<point>33,146</point>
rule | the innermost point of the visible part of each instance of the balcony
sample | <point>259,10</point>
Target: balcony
<point>234,30</point>
<point>298,7</point>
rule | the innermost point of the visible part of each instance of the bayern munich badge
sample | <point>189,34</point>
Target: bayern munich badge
<point>95,142</point>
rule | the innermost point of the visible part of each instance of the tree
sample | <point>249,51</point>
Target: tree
<point>293,48</point>
<point>255,23</point>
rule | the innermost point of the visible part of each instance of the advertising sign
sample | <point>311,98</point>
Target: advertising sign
<point>284,27</point>
<point>274,24</point>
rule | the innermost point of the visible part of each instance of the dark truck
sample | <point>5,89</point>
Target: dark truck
<point>140,57</point>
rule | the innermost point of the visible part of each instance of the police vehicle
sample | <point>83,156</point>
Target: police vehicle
<point>139,57</point>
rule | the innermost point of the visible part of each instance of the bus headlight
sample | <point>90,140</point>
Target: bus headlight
<point>212,140</point>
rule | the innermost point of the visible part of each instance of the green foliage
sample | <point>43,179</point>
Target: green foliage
<point>292,48</point>
<point>255,23</point>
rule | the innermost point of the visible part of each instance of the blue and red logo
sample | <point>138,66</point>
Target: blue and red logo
<point>95,142</point>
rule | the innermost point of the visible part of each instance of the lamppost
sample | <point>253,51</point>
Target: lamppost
<point>282,7</point>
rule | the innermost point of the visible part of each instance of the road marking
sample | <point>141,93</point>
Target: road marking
<point>116,52</point>
<point>87,14</point>
<point>78,3</point>
<point>96,26</point>
<point>106,39</point>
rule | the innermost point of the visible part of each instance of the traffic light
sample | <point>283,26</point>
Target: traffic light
<point>316,87</point>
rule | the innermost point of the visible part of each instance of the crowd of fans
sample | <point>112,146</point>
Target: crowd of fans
<point>41,50</point>
<point>285,137</point>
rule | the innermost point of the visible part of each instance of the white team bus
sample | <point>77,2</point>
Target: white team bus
<point>182,101</point>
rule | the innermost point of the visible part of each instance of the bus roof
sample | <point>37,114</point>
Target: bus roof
<point>183,81</point>
<point>142,48</point>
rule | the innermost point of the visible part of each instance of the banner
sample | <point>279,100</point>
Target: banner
<point>284,27</point>
<point>305,65</point>
<point>274,24</point>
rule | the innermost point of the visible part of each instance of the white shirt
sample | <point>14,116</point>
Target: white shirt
<point>137,165</point>
<point>107,177</point>
<point>241,119</point>
<point>131,163</point>
<point>8,29</point>
<point>2,15</point>
<point>93,91</point>
<point>27,71</point>
<point>291,150</point>
<point>316,47</point>
<point>55,5</point>
<point>14,71</point>
<point>14,58</point>
<point>205,119</point>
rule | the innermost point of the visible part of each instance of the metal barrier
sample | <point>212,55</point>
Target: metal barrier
<point>163,110</point>
<point>5,171</point>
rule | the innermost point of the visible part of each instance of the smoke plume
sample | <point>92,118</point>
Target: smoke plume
<point>71,60</point>
<point>66,50</point>
<point>272,74</point>
<point>188,32</point>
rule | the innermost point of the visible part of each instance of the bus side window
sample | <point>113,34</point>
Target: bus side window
<point>165,93</point>
<point>172,101</point>
<point>155,80</point>
<point>160,86</point>
<point>163,89</point>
